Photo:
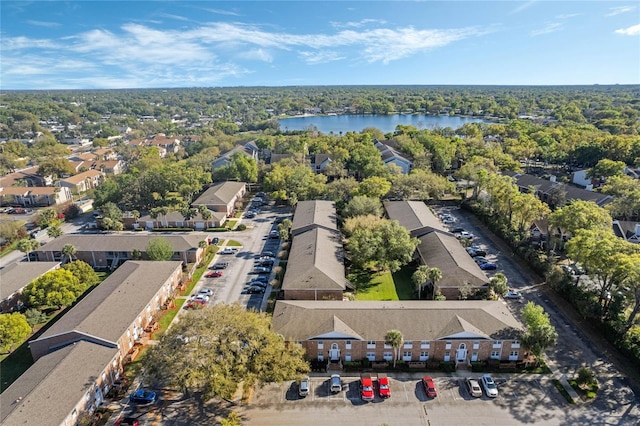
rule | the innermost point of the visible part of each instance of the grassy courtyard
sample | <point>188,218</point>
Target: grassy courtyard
<point>384,285</point>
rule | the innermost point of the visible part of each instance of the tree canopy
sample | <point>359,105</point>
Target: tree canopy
<point>539,333</point>
<point>53,289</point>
<point>213,350</point>
<point>159,249</point>
<point>14,328</point>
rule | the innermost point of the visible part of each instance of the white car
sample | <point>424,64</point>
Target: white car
<point>205,292</point>
<point>513,294</point>
<point>474,388</point>
<point>229,250</point>
<point>490,387</point>
<point>465,235</point>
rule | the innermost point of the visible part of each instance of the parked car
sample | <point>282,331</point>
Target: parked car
<point>213,274</point>
<point>250,215</point>
<point>260,284</point>
<point>220,265</point>
<point>143,396</point>
<point>268,254</point>
<point>490,387</point>
<point>449,220</point>
<point>335,383</point>
<point>265,262</point>
<point>274,234</point>
<point>480,259</point>
<point>215,241</point>
<point>127,421</point>
<point>366,388</point>
<point>229,250</point>
<point>261,270</point>
<point>457,230</point>
<point>205,292</point>
<point>201,298</point>
<point>261,279</point>
<point>473,387</point>
<point>383,387</point>
<point>488,266</point>
<point>513,294</point>
<point>476,252</point>
<point>465,235</point>
<point>254,289</point>
<point>429,387</point>
<point>303,387</point>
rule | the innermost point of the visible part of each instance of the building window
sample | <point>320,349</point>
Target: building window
<point>513,356</point>
<point>388,356</point>
<point>425,344</point>
<point>447,356</point>
<point>476,345</point>
<point>371,356</point>
<point>447,345</point>
<point>495,355</point>
<point>320,344</point>
<point>515,344</point>
<point>348,344</point>
<point>371,344</point>
<point>424,356</point>
<point>408,345</point>
<point>497,344</point>
<point>406,356</point>
<point>387,346</point>
<point>320,357</point>
<point>347,357</point>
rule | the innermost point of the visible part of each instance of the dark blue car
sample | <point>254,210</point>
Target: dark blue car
<point>143,396</point>
<point>488,266</point>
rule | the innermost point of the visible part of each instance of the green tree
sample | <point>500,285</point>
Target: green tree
<point>46,217</point>
<point>14,328</point>
<point>159,249</point>
<point>435,275</point>
<point>606,168</point>
<point>69,251</point>
<point>374,187</point>
<point>362,206</point>
<point>386,246</point>
<point>395,339</point>
<point>53,289</point>
<point>419,277</point>
<point>84,272</point>
<point>539,334</point>
<point>27,245</point>
<point>581,215</point>
<point>55,229</point>
<point>498,284</point>
<point>212,350</point>
<point>585,377</point>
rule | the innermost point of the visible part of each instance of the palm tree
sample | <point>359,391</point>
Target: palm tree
<point>435,275</point>
<point>69,250</point>
<point>394,339</point>
<point>419,277</point>
<point>27,245</point>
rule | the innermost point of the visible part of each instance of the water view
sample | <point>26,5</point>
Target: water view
<point>386,123</point>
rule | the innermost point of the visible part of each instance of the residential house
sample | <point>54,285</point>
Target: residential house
<point>175,219</point>
<point>442,250</point>
<point>222,197</point>
<point>319,162</point>
<point>82,182</point>
<point>554,193</point>
<point>26,177</point>
<point>275,158</point>
<point>108,251</point>
<point>456,331</point>
<point>59,387</point>
<point>250,149</point>
<point>315,269</point>
<point>15,277</point>
<point>415,216</point>
<point>115,313</point>
<point>627,230</point>
<point>391,156</point>
<point>164,143</point>
<point>34,195</point>
<point>313,214</point>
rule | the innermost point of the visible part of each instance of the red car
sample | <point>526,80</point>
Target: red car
<point>383,387</point>
<point>213,274</point>
<point>127,421</point>
<point>366,387</point>
<point>429,387</point>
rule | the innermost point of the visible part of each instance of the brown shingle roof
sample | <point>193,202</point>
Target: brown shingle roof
<point>417,320</point>
<point>415,216</point>
<point>221,193</point>
<point>314,213</point>
<point>114,242</point>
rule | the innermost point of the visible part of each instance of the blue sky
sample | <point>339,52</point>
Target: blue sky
<point>139,44</point>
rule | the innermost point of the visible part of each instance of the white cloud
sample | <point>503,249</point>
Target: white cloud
<point>357,24</point>
<point>620,10</point>
<point>321,57</point>
<point>631,31</point>
<point>43,23</point>
<point>21,43</point>
<point>522,6</point>
<point>171,16</point>
<point>568,15</point>
<point>220,12</point>
<point>551,27</point>
<point>256,55</point>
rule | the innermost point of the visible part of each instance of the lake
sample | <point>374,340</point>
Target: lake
<point>385,123</point>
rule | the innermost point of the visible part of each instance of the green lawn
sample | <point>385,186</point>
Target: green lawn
<point>384,286</point>
<point>14,365</point>
<point>168,317</point>
<point>234,243</point>
<point>231,223</point>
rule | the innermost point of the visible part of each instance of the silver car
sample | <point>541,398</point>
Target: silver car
<point>473,387</point>
<point>490,387</point>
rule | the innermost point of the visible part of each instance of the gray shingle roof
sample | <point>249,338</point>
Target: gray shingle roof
<point>49,390</point>
<point>315,262</point>
<point>444,251</point>
<point>417,320</point>
<point>17,275</point>
<point>221,193</point>
<point>415,216</point>
<point>113,305</point>
<point>314,212</point>
<point>120,242</point>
